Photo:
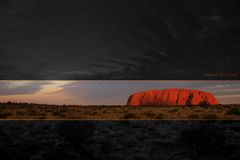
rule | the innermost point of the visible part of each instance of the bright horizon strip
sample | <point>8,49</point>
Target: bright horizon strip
<point>108,92</point>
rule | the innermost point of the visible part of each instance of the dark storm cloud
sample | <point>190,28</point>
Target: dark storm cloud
<point>91,39</point>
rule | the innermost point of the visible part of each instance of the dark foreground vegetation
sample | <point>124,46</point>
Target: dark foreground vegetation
<point>120,140</point>
<point>43,111</point>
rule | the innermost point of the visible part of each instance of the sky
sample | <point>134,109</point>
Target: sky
<point>105,92</point>
<point>120,39</point>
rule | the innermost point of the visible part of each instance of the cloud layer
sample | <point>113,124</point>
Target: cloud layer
<point>121,39</point>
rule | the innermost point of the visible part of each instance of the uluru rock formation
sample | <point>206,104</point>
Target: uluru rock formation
<point>174,96</point>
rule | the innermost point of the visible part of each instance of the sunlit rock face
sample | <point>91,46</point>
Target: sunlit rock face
<point>174,96</point>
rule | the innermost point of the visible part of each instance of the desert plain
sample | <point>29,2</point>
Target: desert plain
<point>30,111</point>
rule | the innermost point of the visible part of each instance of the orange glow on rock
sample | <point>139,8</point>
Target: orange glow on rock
<point>174,96</point>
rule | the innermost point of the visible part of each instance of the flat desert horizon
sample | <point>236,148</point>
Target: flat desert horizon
<point>119,100</point>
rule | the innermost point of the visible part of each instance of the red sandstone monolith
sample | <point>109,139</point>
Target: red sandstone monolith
<point>174,96</point>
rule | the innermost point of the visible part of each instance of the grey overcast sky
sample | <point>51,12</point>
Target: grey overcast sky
<point>120,39</point>
<point>105,92</point>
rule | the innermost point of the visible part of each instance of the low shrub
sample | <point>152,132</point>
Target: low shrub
<point>193,116</point>
<point>159,116</point>
<point>233,111</point>
<point>58,114</point>
<point>130,116</point>
<point>5,115</point>
<point>173,110</point>
<point>149,114</point>
<point>210,116</point>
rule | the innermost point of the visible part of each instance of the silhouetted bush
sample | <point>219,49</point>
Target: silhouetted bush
<point>210,116</point>
<point>149,114</point>
<point>5,115</point>
<point>193,116</point>
<point>159,116</point>
<point>130,116</point>
<point>204,103</point>
<point>58,114</point>
<point>173,110</point>
<point>233,111</point>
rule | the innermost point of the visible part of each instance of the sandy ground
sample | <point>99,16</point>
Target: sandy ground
<point>43,111</point>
